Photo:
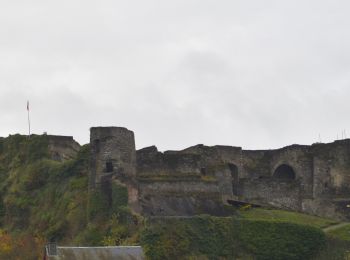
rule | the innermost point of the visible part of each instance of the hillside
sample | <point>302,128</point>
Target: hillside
<point>44,200</point>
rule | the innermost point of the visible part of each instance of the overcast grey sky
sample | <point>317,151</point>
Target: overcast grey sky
<point>251,73</point>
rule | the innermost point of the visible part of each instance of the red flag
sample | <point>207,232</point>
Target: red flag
<point>27,105</point>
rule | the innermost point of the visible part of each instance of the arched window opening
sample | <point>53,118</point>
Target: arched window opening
<point>284,172</point>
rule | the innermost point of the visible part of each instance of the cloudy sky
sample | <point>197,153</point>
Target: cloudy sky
<point>251,73</point>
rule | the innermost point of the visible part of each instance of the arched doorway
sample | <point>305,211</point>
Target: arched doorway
<point>284,172</point>
<point>234,177</point>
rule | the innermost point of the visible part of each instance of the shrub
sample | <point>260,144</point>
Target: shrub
<point>119,196</point>
<point>12,247</point>
<point>98,205</point>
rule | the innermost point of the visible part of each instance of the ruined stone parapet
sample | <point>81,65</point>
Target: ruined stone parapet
<point>62,147</point>
<point>331,165</point>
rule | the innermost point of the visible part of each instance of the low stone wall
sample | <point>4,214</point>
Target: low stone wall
<point>180,198</point>
<point>283,194</point>
<point>329,208</point>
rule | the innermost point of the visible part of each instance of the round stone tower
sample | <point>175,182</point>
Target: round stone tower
<point>112,154</point>
<point>113,159</point>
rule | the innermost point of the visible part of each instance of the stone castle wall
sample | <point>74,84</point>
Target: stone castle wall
<point>62,147</point>
<point>202,179</point>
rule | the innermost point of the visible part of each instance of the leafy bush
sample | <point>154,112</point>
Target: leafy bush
<point>99,207</point>
<point>15,247</point>
<point>119,196</point>
<point>91,236</point>
<point>103,204</point>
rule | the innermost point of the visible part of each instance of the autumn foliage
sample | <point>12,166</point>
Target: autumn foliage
<point>15,247</point>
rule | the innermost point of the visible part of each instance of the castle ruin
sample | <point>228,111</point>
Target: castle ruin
<point>311,179</point>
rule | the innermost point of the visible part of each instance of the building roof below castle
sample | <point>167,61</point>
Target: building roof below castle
<point>98,253</point>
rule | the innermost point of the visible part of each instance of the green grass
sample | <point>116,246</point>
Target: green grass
<point>286,216</point>
<point>334,249</point>
<point>206,237</point>
<point>338,240</point>
<point>342,233</point>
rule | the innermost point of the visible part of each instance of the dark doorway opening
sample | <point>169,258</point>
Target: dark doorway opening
<point>109,167</point>
<point>284,172</point>
<point>234,175</point>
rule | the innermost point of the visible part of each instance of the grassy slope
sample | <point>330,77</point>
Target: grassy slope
<point>262,233</point>
<point>342,232</point>
<point>207,237</point>
<point>287,216</point>
<point>337,246</point>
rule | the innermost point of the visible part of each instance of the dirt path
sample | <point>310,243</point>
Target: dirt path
<point>343,224</point>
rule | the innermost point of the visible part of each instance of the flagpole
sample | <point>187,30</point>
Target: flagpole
<point>28,119</point>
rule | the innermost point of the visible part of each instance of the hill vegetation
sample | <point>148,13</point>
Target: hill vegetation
<point>43,200</point>
<point>230,238</point>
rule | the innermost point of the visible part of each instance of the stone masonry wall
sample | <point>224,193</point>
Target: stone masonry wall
<point>62,147</point>
<point>173,198</point>
<point>202,179</point>
<point>268,191</point>
<point>112,147</point>
<point>301,160</point>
